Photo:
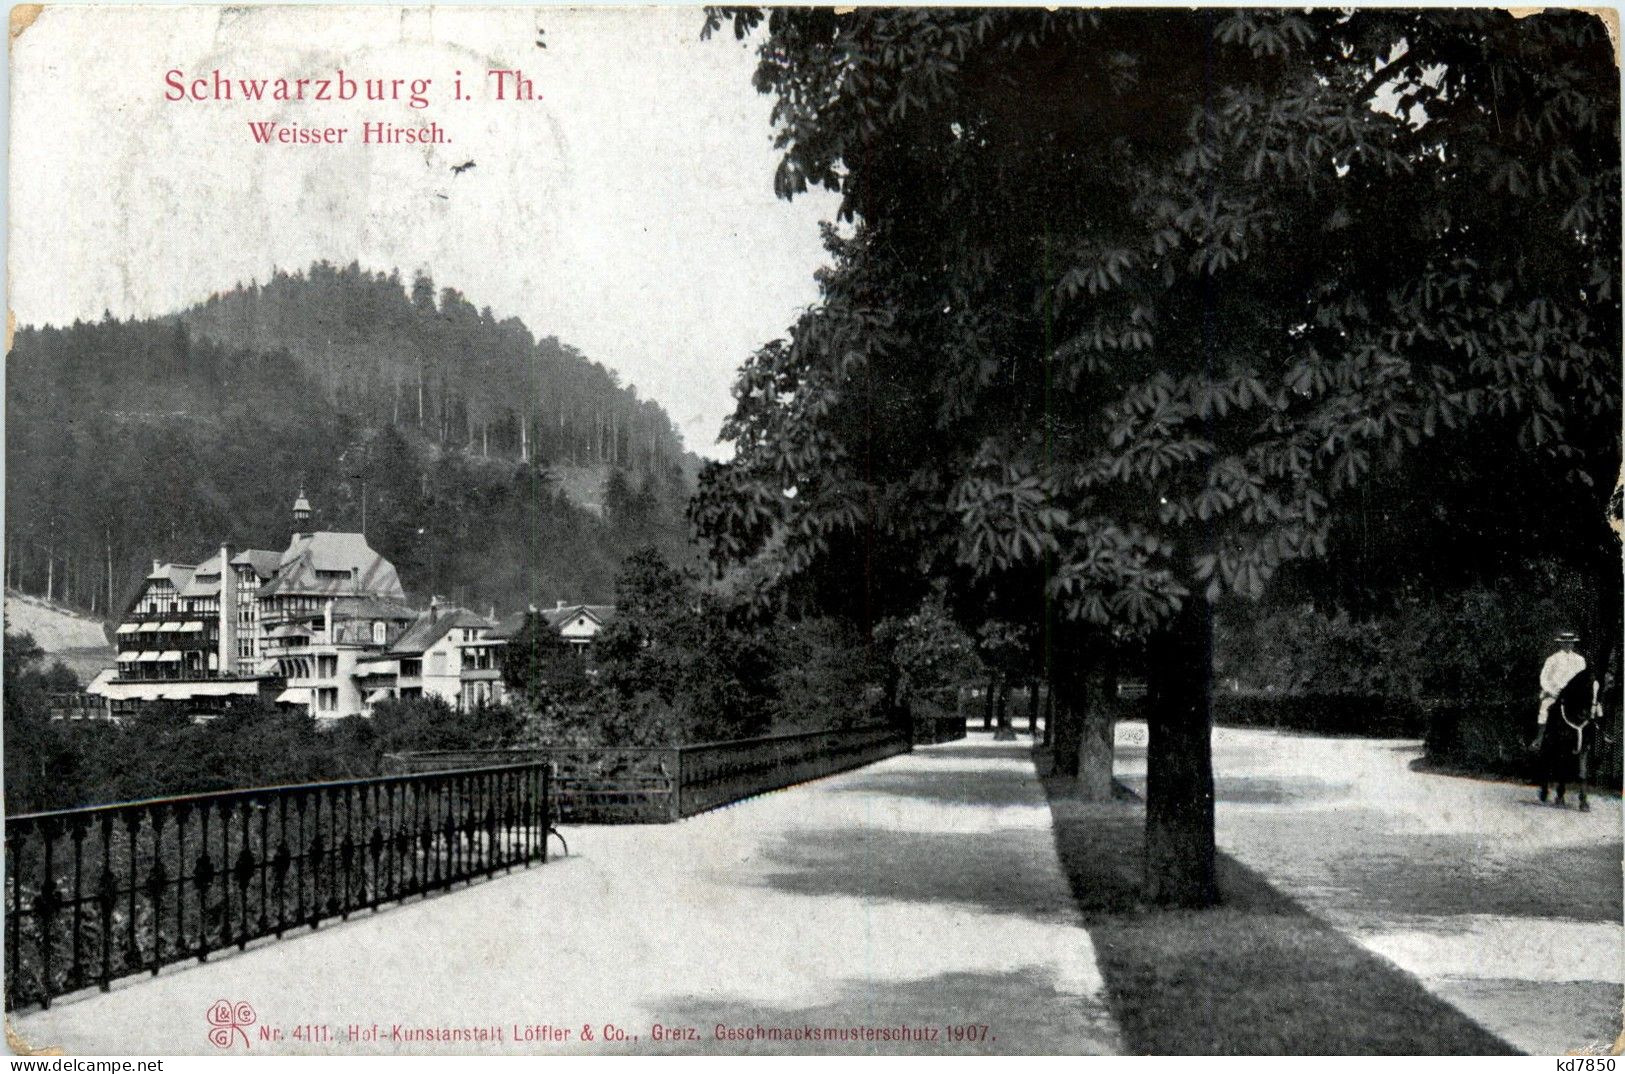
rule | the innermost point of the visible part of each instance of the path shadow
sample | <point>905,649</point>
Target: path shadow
<point>1014,1012</point>
<point>998,871</point>
<point>1446,876</point>
<point>965,788</point>
<point>1265,790</point>
<point>1257,974</point>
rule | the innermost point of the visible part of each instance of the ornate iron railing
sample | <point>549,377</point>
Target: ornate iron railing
<point>96,894</point>
<point>644,785</point>
<point>716,773</point>
<point>607,785</point>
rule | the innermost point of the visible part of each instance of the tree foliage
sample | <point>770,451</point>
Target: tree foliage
<point>1126,291</point>
<point>52,764</point>
<point>1128,306</point>
<point>672,661</point>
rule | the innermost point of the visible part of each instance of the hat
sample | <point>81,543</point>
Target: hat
<point>1568,636</point>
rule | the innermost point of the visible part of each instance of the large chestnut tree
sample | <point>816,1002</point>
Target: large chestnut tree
<point>1124,304</point>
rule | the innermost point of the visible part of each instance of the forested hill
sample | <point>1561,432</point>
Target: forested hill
<point>385,353</point>
<point>128,441</point>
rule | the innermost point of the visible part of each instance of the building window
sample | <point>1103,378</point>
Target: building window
<point>327,699</point>
<point>378,632</point>
<point>326,666</point>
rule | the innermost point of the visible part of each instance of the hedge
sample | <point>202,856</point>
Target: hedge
<point>1323,714</point>
<point>1491,738</point>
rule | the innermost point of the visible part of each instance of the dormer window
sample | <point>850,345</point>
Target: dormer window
<point>378,632</point>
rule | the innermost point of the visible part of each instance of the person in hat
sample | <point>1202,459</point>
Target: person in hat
<point>1568,705</point>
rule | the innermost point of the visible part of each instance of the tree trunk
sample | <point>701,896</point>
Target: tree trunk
<point>1069,693</point>
<point>987,706</point>
<point>1005,731</point>
<point>1179,851</point>
<point>1032,707</point>
<point>1097,747</point>
<point>1049,711</point>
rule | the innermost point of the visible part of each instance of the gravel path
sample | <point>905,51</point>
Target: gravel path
<point>1505,908</point>
<point>922,892</point>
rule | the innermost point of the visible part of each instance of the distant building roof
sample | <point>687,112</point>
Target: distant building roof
<point>432,625</point>
<point>176,574</point>
<point>333,564</point>
<point>375,608</point>
<point>557,617</point>
<point>353,619</point>
<point>509,626</point>
<point>264,562</point>
<point>205,580</point>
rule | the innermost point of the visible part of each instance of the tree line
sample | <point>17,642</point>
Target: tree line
<point>390,353</point>
<point>129,441</point>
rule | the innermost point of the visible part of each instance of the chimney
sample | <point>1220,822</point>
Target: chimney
<point>355,579</point>
<point>559,607</point>
<point>228,613</point>
<point>434,604</point>
<point>155,565</point>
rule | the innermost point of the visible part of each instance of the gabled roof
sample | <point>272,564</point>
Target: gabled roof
<point>264,562</point>
<point>600,613</point>
<point>205,580</point>
<point>176,574</point>
<point>333,564</point>
<point>433,625</point>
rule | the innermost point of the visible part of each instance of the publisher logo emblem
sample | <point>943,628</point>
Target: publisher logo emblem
<point>227,1021</point>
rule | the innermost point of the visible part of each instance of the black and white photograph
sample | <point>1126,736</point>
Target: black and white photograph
<point>914,531</point>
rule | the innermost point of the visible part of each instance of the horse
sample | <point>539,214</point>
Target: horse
<point>1567,740</point>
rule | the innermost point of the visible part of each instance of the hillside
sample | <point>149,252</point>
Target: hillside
<point>436,365</point>
<point>77,640</point>
<point>526,476</point>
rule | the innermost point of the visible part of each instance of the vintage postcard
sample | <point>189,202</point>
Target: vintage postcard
<point>872,530</point>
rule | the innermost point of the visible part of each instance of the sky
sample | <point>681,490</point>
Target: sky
<point>628,209</point>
